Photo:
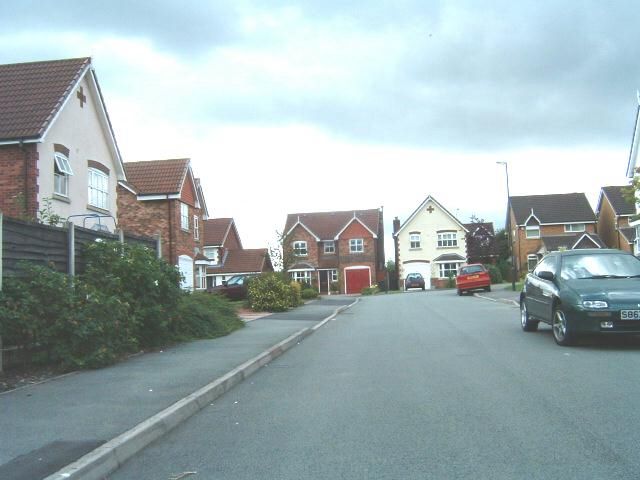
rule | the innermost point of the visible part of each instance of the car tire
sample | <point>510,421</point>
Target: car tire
<point>423,288</point>
<point>460,292</point>
<point>487,289</point>
<point>527,324</point>
<point>562,333</point>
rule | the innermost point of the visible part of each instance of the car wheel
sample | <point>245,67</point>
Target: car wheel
<point>528,325</point>
<point>423,288</point>
<point>459,292</point>
<point>487,288</point>
<point>562,333</point>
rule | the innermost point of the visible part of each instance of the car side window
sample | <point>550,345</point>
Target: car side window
<point>546,264</point>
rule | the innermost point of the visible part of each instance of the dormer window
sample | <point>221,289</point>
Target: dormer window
<point>211,253</point>
<point>300,248</point>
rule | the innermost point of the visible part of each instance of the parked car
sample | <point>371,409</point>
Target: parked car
<point>414,280</point>
<point>581,292</point>
<point>234,288</point>
<point>472,277</point>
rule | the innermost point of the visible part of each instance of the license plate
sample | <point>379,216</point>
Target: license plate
<point>473,277</point>
<point>629,314</point>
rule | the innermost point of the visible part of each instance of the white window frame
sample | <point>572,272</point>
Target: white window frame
<point>61,173</point>
<point>414,241</point>
<point>530,257</point>
<point>447,239</point>
<point>329,247</point>
<point>574,227</point>
<point>301,276</point>
<point>356,245</point>
<point>98,188</point>
<point>532,231</point>
<point>211,253</point>
<point>196,228</point>
<point>184,216</point>
<point>445,267</point>
<point>300,248</point>
<point>334,275</point>
<point>201,277</point>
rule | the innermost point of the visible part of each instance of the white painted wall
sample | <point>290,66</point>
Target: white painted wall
<point>78,129</point>
<point>428,224</point>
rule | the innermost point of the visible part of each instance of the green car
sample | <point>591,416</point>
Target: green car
<point>581,292</point>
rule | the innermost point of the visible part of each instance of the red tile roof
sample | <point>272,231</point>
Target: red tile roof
<point>31,94</point>
<point>157,177</point>
<point>249,260</point>
<point>326,225</point>
<point>216,230</point>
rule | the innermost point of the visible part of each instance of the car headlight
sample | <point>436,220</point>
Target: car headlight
<point>595,304</point>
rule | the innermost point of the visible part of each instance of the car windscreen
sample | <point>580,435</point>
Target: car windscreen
<point>471,269</point>
<point>235,281</point>
<point>599,265</point>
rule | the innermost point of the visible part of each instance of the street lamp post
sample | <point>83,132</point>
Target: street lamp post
<point>513,260</point>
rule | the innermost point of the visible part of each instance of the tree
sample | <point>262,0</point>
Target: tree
<point>281,254</point>
<point>481,242</point>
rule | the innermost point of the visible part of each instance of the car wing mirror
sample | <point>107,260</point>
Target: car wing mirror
<point>546,275</point>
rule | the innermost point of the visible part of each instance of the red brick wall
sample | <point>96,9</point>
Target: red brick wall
<point>19,180</point>
<point>159,216</point>
<point>301,234</point>
<point>366,258</point>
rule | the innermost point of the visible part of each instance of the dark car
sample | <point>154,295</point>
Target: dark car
<point>414,280</point>
<point>472,277</point>
<point>234,288</point>
<point>581,292</point>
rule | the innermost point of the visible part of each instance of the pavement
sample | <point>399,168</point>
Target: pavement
<point>84,425</point>
<point>502,293</point>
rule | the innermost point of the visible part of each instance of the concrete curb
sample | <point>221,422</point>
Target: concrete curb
<point>498,300</point>
<point>102,461</point>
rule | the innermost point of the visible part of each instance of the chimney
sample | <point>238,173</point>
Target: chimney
<point>396,225</point>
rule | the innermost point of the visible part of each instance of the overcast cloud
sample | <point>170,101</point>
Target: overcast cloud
<point>318,85</point>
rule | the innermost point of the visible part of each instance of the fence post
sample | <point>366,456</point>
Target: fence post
<point>158,245</point>
<point>121,236</point>
<point>1,252</point>
<point>71,249</point>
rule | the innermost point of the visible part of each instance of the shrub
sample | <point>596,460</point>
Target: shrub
<point>149,286</point>
<point>295,294</point>
<point>269,292</point>
<point>334,286</point>
<point>370,290</point>
<point>494,273</point>
<point>202,315</point>
<point>309,293</point>
<point>451,281</point>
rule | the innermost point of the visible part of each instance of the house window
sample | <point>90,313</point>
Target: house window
<point>300,248</point>
<point>184,216</point>
<point>211,253</point>
<point>98,189</point>
<point>414,240</point>
<point>356,245</point>
<point>574,227</point>
<point>302,277</point>
<point>334,275</point>
<point>446,270</point>
<point>447,239</point>
<point>532,231</point>
<point>201,277</point>
<point>61,173</point>
<point>329,247</point>
<point>532,261</point>
<point>196,227</point>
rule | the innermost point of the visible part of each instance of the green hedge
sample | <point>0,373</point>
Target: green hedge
<point>273,292</point>
<point>126,300</point>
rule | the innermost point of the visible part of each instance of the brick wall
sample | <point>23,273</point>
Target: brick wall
<point>301,234</point>
<point>19,180</point>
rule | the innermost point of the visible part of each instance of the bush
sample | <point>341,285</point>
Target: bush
<point>309,293</point>
<point>202,315</point>
<point>295,294</point>
<point>270,292</point>
<point>370,290</point>
<point>451,281</point>
<point>494,273</point>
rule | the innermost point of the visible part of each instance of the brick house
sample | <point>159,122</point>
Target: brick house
<point>340,249</point>
<point>58,153</point>
<point>162,197</point>
<point>226,257</point>
<point>613,212</point>
<point>432,242</point>
<point>544,223</point>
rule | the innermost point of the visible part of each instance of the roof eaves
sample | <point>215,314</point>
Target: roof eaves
<point>350,222</point>
<point>317,239</point>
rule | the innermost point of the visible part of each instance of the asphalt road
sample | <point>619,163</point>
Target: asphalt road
<point>423,385</point>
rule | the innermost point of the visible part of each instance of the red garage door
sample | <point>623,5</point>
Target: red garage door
<point>357,279</point>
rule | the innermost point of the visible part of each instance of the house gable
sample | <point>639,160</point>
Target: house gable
<point>355,227</point>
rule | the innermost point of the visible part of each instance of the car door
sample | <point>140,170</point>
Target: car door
<point>541,291</point>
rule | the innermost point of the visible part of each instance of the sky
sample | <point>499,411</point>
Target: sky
<point>290,107</point>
